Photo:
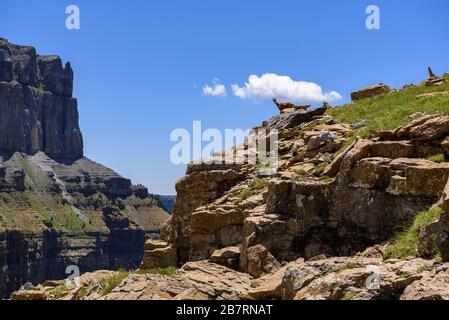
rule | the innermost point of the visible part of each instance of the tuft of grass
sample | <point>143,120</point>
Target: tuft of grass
<point>170,271</point>
<point>347,144</point>
<point>38,207</point>
<point>113,282</point>
<point>59,291</point>
<point>73,222</point>
<point>82,293</point>
<point>438,158</point>
<point>404,245</point>
<point>253,187</point>
<point>109,284</point>
<point>348,296</point>
<point>28,170</point>
<point>319,168</point>
<point>301,172</point>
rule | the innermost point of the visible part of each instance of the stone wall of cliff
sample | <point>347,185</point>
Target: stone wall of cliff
<point>58,208</point>
<point>38,257</point>
<point>37,110</point>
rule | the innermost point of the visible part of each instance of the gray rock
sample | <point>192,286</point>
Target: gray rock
<point>319,140</point>
<point>291,120</point>
<point>6,68</point>
<point>359,124</point>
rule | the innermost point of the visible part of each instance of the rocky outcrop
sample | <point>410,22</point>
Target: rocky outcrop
<point>158,254</point>
<point>258,261</point>
<point>194,281</point>
<point>228,257</point>
<point>434,80</point>
<point>166,202</point>
<point>370,92</point>
<point>37,110</point>
<point>208,186</point>
<point>319,202</point>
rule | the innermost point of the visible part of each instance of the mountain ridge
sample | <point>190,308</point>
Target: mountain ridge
<point>57,207</point>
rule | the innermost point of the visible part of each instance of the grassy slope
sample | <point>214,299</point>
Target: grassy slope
<point>394,109</point>
<point>404,245</point>
<point>35,208</point>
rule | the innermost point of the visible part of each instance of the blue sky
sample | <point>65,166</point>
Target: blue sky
<point>140,65</point>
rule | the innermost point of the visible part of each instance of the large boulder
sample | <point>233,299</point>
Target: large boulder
<point>194,281</point>
<point>291,120</point>
<point>434,285</point>
<point>228,257</point>
<point>260,262</point>
<point>424,128</point>
<point>370,92</point>
<point>158,254</point>
<point>351,278</point>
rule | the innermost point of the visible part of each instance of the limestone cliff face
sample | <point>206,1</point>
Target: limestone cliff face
<point>58,208</point>
<point>37,110</point>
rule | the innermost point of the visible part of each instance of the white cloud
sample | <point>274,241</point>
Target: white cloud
<point>284,88</point>
<point>216,90</point>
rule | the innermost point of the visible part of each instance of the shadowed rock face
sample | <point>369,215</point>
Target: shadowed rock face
<point>37,110</point>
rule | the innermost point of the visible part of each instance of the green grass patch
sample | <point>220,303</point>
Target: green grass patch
<point>438,158</point>
<point>389,111</point>
<point>321,167</point>
<point>73,222</point>
<point>327,179</point>
<point>348,296</point>
<point>109,284</point>
<point>404,245</point>
<point>301,172</point>
<point>27,168</point>
<point>170,271</point>
<point>59,292</point>
<point>253,188</point>
<point>39,207</point>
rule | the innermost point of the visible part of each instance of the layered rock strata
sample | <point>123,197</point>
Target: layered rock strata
<point>58,208</point>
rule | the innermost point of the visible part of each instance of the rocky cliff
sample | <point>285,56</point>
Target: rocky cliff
<point>58,208</point>
<point>37,110</point>
<point>166,202</point>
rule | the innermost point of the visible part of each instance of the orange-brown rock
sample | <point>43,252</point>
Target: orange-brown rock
<point>228,257</point>
<point>158,254</point>
<point>370,92</point>
<point>259,262</point>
